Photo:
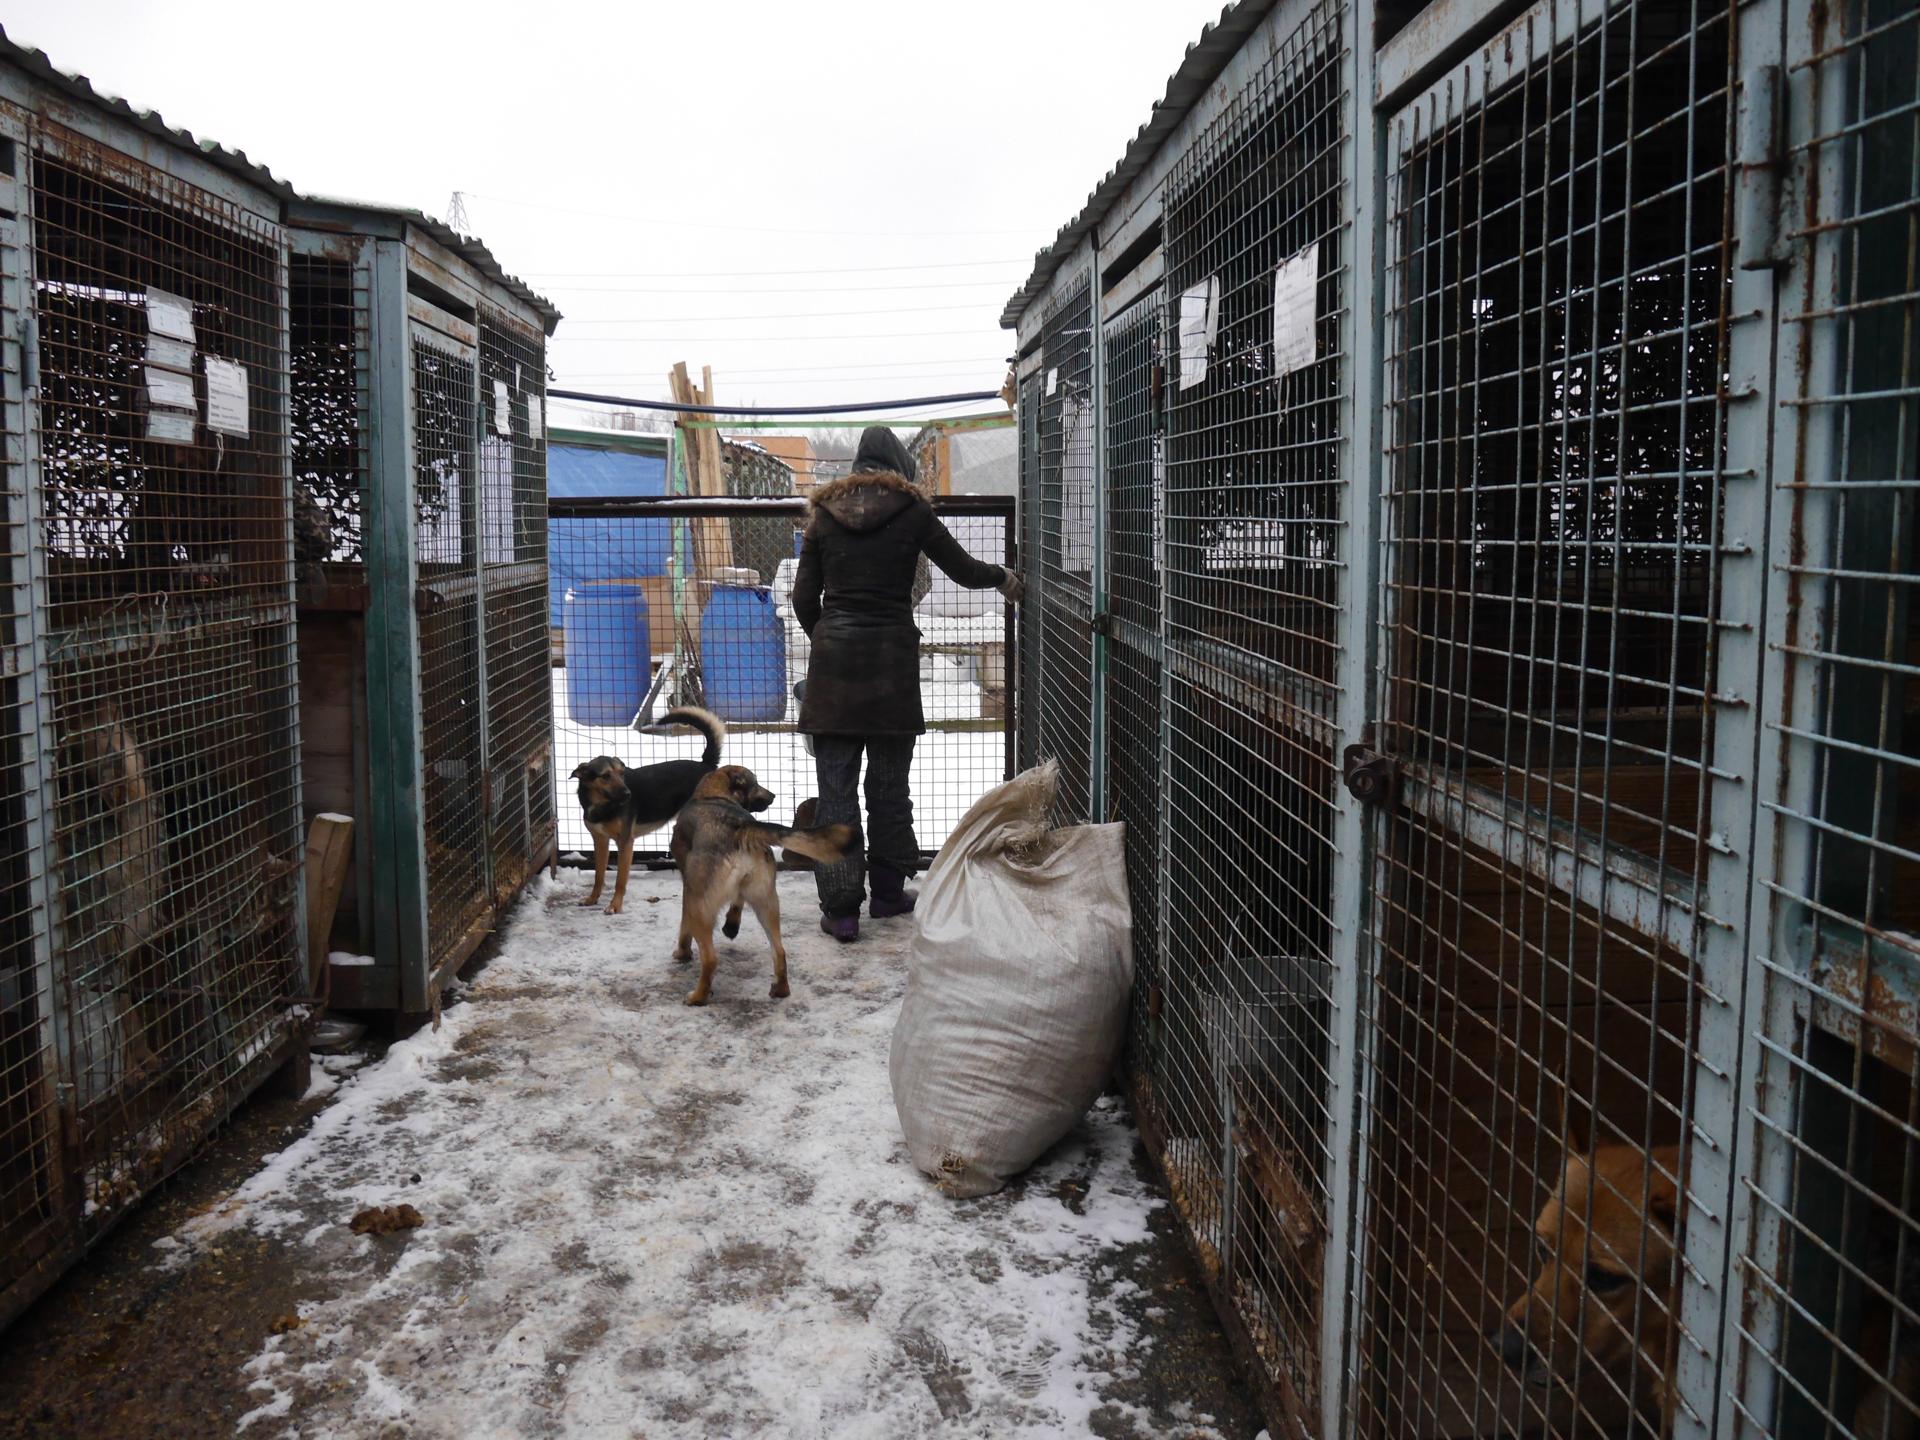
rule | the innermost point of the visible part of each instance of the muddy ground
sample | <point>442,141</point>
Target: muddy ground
<point>126,1347</point>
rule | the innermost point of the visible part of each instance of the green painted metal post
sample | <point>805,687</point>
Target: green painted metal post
<point>393,641</point>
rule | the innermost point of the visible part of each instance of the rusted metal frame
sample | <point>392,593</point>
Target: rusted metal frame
<point>393,636</point>
<point>1411,60</point>
<point>439,331</point>
<point>1098,761</point>
<point>1353,959</point>
<point>1263,686</point>
<point>1652,901</point>
<point>1787,775</point>
<point>286,685</point>
<point>31,662</point>
<point>483,691</point>
<point>76,131</point>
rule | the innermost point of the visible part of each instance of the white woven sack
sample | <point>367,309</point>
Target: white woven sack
<point>1016,1000</point>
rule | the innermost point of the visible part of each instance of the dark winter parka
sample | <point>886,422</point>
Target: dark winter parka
<point>853,593</point>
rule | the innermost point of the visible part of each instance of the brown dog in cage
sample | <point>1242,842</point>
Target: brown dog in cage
<point>621,805</point>
<point>1609,1286</point>
<point>112,881</point>
<point>726,861</point>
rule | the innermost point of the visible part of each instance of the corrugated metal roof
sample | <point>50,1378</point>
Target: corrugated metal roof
<point>1204,61</point>
<point>466,247</point>
<point>235,162</point>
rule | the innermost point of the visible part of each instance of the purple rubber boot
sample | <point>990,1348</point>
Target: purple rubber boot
<point>890,894</point>
<point>844,928</point>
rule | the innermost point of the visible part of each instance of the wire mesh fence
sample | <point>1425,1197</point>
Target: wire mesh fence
<point>519,779</point>
<point>150,892</point>
<point>1555,449</point>
<point>1519,767</point>
<point>1835,1251</point>
<point>672,619</point>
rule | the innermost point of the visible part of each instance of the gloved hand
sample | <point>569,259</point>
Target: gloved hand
<point>1014,587</point>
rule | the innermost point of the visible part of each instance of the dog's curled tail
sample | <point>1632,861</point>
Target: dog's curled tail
<point>706,722</point>
<point>825,844</point>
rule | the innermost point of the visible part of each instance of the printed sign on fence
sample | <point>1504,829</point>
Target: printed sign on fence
<point>226,397</point>
<point>1296,310</point>
<point>1199,323</point>
<point>170,315</point>
<point>169,389</point>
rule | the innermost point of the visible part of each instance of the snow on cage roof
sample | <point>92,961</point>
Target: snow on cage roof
<point>1205,59</point>
<point>235,162</point>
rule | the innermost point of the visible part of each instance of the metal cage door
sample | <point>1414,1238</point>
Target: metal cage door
<point>1563,747</point>
<point>519,782</point>
<point>445,420</point>
<point>1060,565</point>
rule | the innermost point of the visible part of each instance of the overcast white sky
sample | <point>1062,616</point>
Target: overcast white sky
<point>647,165</point>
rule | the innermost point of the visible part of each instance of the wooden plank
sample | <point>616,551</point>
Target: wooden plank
<point>329,850</point>
<point>706,476</point>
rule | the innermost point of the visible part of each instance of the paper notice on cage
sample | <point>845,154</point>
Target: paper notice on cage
<point>170,315</point>
<point>174,354</point>
<point>170,427</point>
<point>1296,311</point>
<point>535,421</point>
<point>169,389</point>
<point>1053,380</point>
<point>226,397</point>
<point>502,408</point>
<point>1199,323</point>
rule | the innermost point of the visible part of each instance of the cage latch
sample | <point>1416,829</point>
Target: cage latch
<point>1372,778</point>
<point>427,600</point>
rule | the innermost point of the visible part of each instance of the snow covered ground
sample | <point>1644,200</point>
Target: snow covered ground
<point>648,1220</point>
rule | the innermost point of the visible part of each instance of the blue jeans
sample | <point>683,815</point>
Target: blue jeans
<point>889,838</point>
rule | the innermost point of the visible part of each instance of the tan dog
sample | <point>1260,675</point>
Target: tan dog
<point>1609,1285</point>
<point>726,860</point>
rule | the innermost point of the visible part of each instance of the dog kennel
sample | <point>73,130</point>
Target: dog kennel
<point>419,463</point>
<point>1468,460</point>
<point>150,887</point>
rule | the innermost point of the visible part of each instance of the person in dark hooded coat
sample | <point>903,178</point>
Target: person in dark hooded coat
<point>853,595</point>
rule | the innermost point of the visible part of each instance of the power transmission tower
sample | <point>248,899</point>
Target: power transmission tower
<point>457,213</point>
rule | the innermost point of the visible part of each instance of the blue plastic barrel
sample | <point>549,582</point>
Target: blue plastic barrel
<point>609,664</point>
<point>799,542</point>
<point>743,654</point>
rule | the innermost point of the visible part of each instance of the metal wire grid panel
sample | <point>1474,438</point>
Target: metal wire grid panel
<point>452,694</point>
<point>36,1212</point>
<point>1134,480</point>
<point>1256,216</point>
<point>1558,263</point>
<point>1062,558</point>
<point>1031,673</point>
<point>687,626</point>
<point>519,690</point>
<point>166,647</point>
<point>327,304</point>
<point>1834,1264</point>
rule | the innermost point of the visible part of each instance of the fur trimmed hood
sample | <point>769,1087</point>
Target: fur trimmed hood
<point>864,500</point>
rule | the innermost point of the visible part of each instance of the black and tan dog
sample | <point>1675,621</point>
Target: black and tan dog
<point>726,861</point>
<point>620,805</point>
